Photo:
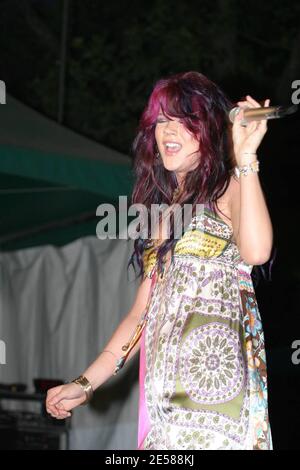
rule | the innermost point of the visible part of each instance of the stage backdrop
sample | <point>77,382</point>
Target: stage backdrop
<point>59,307</point>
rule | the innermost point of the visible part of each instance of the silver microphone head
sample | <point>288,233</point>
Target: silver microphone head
<point>233,112</point>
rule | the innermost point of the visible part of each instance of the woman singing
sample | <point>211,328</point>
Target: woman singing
<point>203,378</point>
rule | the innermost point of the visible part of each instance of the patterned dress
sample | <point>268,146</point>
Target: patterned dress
<point>203,379</point>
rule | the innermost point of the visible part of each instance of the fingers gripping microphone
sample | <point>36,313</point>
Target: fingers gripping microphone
<point>259,114</point>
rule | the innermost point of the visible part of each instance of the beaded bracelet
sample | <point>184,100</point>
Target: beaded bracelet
<point>246,169</point>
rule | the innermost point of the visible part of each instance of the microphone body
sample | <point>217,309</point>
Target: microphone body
<point>259,114</point>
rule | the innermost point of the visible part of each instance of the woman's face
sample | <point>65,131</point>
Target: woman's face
<point>182,154</point>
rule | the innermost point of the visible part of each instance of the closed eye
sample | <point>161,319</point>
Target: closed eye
<point>163,119</point>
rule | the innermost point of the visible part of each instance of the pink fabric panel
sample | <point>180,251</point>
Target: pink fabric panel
<point>144,423</point>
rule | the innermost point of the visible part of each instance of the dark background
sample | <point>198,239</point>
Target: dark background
<point>115,52</point>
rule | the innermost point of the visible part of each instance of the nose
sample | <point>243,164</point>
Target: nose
<point>171,127</point>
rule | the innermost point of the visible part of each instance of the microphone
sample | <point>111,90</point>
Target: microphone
<point>258,114</point>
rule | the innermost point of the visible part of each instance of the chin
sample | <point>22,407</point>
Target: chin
<point>171,166</point>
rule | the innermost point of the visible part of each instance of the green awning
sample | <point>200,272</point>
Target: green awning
<point>52,179</point>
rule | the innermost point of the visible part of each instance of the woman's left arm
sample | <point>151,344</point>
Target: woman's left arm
<point>250,217</point>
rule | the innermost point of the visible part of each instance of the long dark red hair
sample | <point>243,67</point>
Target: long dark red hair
<point>203,108</point>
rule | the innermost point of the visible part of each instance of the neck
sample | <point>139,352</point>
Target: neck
<point>180,180</point>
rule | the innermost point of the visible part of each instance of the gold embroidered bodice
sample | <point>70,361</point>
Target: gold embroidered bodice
<point>207,236</point>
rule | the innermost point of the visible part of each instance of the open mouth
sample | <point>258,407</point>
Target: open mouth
<point>171,148</point>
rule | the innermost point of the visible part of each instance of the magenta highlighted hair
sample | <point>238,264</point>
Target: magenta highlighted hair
<point>203,108</point>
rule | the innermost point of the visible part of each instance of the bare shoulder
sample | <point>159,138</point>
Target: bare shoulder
<point>229,206</point>
<point>232,194</point>
<point>233,191</point>
<point>234,205</point>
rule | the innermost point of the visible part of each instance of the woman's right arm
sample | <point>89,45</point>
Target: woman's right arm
<point>60,400</point>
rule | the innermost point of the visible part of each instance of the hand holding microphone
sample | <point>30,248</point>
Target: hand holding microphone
<point>247,137</point>
<point>249,120</point>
